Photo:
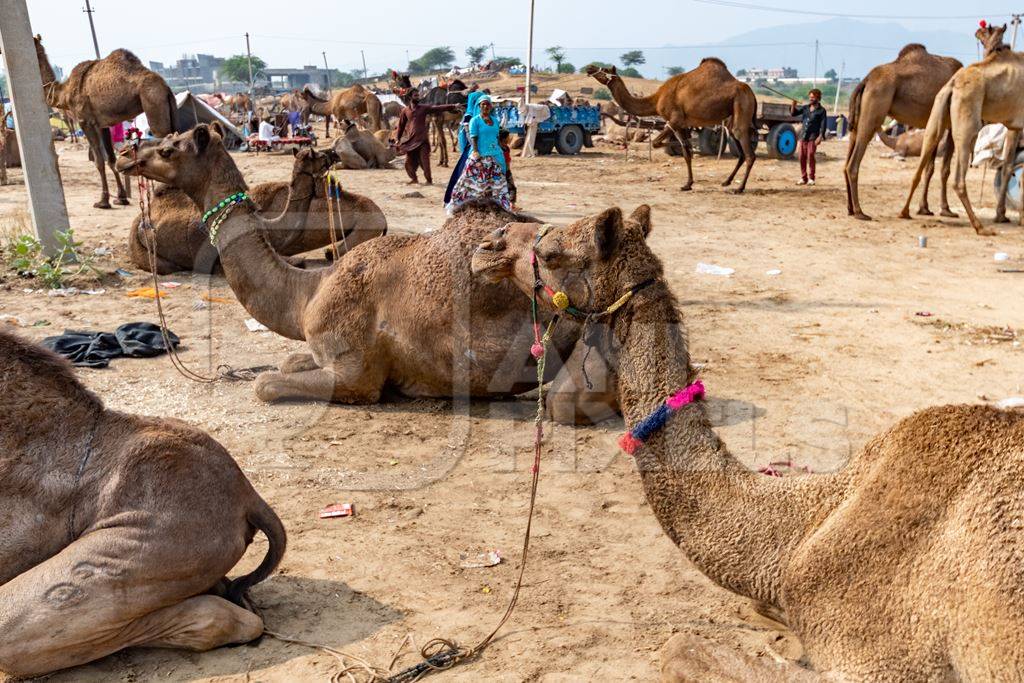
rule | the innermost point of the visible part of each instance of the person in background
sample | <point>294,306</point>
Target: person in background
<point>814,122</point>
<point>413,135</point>
<point>503,141</point>
<point>267,131</point>
<point>294,121</point>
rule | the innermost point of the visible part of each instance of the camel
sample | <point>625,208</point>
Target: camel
<point>705,96</point>
<point>239,103</point>
<point>313,104</point>
<point>359,149</point>
<point>456,92</point>
<point>988,91</point>
<point>104,92</point>
<point>397,312</point>
<point>903,565</point>
<point>118,530</point>
<point>391,110</point>
<point>906,144</point>
<point>903,89</point>
<point>297,212</point>
<point>351,103</point>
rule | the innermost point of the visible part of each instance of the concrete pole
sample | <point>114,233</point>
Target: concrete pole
<point>328,70</point>
<point>529,56</point>
<point>32,123</point>
<point>92,27</point>
<point>248,56</point>
<point>1016,25</point>
<point>364,63</point>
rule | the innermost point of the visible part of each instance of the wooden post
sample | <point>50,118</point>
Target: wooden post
<point>32,123</point>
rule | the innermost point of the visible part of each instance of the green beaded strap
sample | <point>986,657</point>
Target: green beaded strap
<point>224,206</point>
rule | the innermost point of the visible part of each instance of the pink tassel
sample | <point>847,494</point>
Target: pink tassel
<point>629,443</point>
<point>685,396</point>
<point>537,350</point>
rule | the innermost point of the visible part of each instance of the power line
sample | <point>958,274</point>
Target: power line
<point>786,10</point>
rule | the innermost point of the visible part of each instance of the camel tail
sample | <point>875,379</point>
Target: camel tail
<point>855,104</point>
<point>938,122</point>
<point>267,521</point>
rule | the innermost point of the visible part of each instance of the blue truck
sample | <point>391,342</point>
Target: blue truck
<point>568,130</point>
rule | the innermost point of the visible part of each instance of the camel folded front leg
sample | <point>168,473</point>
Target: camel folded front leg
<point>350,379</point>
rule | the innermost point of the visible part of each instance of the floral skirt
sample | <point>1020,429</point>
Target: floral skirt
<point>482,181</point>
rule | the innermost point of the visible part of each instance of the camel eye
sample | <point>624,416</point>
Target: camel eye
<point>166,152</point>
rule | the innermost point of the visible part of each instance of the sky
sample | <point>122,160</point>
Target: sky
<point>292,34</point>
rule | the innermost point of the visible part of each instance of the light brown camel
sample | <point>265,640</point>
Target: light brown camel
<point>904,565</point>
<point>351,103</point>
<point>104,92</point>
<point>239,103</point>
<point>391,110</point>
<point>359,149</point>
<point>117,530</point>
<point>903,89</point>
<point>296,211</point>
<point>906,144</point>
<point>989,91</point>
<point>398,312</point>
<point>705,96</point>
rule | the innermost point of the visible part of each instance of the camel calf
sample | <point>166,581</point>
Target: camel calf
<point>115,530</point>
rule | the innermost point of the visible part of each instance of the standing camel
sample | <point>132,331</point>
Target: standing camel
<point>904,565</point>
<point>903,89</point>
<point>705,96</point>
<point>351,103</point>
<point>989,91</point>
<point>104,92</point>
<point>453,93</point>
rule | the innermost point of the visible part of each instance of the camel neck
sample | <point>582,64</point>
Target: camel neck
<point>638,106</point>
<point>736,526</point>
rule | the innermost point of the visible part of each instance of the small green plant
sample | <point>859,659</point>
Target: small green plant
<point>602,94</point>
<point>25,256</point>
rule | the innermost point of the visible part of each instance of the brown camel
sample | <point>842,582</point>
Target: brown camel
<point>989,91</point>
<point>359,149</point>
<point>351,103</point>
<point>297,213</point>
<point>903,89</point>
<point>705,96</point>
<point>118,530</point>
<point>391,110</point>
<point>104,92</point>
<point>399,312</point>
<point>906,144</point>
<point>315,104</point>
<point>904,565</point>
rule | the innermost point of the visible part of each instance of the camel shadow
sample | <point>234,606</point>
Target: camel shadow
<point>292,606</point>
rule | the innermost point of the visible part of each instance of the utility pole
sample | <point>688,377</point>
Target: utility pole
<point>328,70</point>
<point>1015,22</point>
<point>839,85</point>
<point>492,52</point>
<point>92,27</point>
<point>248,54</point>
<point>364,64</point>
<point>529,56</point>
<point>815,60</point>
<point>32,124</point>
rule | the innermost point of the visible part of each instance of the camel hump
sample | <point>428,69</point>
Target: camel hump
<point>714,60</point>
<point>910,49</point>
<point>35,375</point>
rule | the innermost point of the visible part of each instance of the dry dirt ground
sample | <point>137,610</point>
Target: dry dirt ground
<point>804,365</point>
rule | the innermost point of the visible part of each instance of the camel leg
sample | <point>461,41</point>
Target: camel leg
<point>110,590</point>
<point>963,139</point>
<point>929,170</point>
<point>869,123</point>
<point>687,153</point>
<point>298,362</point>
<point>108,147</point>
<point>1009,155</point>
<point>746,157</point>
<point>927,159</point>
<point>352,378</point>
<point>92,136</point>
<point>947,162</point>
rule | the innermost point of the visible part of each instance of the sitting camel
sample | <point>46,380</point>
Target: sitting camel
<point>302,224</point>
<point>358,149</point>
<point>904,565</point>
<point>399,312</point>
<point>906,144</point>
<point>117,530</point>
<point>705,96</point>
<point>989,91</point>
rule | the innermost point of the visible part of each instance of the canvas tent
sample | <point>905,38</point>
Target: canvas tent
<point>191,112</point>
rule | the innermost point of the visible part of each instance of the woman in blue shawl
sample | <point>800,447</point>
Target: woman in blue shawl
<point>481,177</point>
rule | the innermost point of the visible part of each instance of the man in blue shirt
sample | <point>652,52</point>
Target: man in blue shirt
<point>812,132</point>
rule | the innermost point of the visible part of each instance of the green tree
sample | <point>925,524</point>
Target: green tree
<point>566,68</point>
<point>741,72</point>
<point>602,94</point>
<point>236,68</point>
<point>557,55</point>
<point>476,54</point>
<point>831,75</point>
<point>632,58</point>
<point>631,72</point>
<point>675,70</point>
<point>432,59</point>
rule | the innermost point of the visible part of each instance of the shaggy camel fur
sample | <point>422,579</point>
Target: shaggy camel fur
<point>904,565</point>
<point>989,91</point>
<point>301,208</point>
<point>104,92</point>
<point>399,312</point>
<point>705,96</point>
<point>903,89</point>
<point>117,531</point>
<point>352,103</point>
<point>359,149</point>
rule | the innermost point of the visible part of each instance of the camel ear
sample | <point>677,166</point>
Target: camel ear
<point>217,128</point>
<point>642,217</point>
<point>613,71</point>
<point>201,138</point>
<point>295,151</point>
<point>607,228</point>
<point>1004,28</point>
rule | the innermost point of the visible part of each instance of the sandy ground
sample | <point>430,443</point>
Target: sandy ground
<point>805,366</point>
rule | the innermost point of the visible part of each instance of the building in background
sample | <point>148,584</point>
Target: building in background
<point>290,79</point>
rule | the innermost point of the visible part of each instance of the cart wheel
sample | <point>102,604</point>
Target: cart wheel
<point>570,140</point>
<point>733,147</point>
<point>545,145</point>
<point>782,141</point>
<point>673,148</point>
<point>707,141</point>
<point>1013,188</point>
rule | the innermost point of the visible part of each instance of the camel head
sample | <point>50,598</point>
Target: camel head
<point>310,162</point>
<point>594,260</point>
<point>991,37</point>
<point>348,126</point>
<point>602,75</point>
<point>183,160</point>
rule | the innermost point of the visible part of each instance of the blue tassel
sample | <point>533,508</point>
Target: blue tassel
<point>652,423</point>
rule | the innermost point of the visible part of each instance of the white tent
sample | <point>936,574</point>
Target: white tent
<point>191,112</point>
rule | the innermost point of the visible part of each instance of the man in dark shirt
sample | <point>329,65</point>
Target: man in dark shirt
<point>812,132</point>
<point>412,137</point>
